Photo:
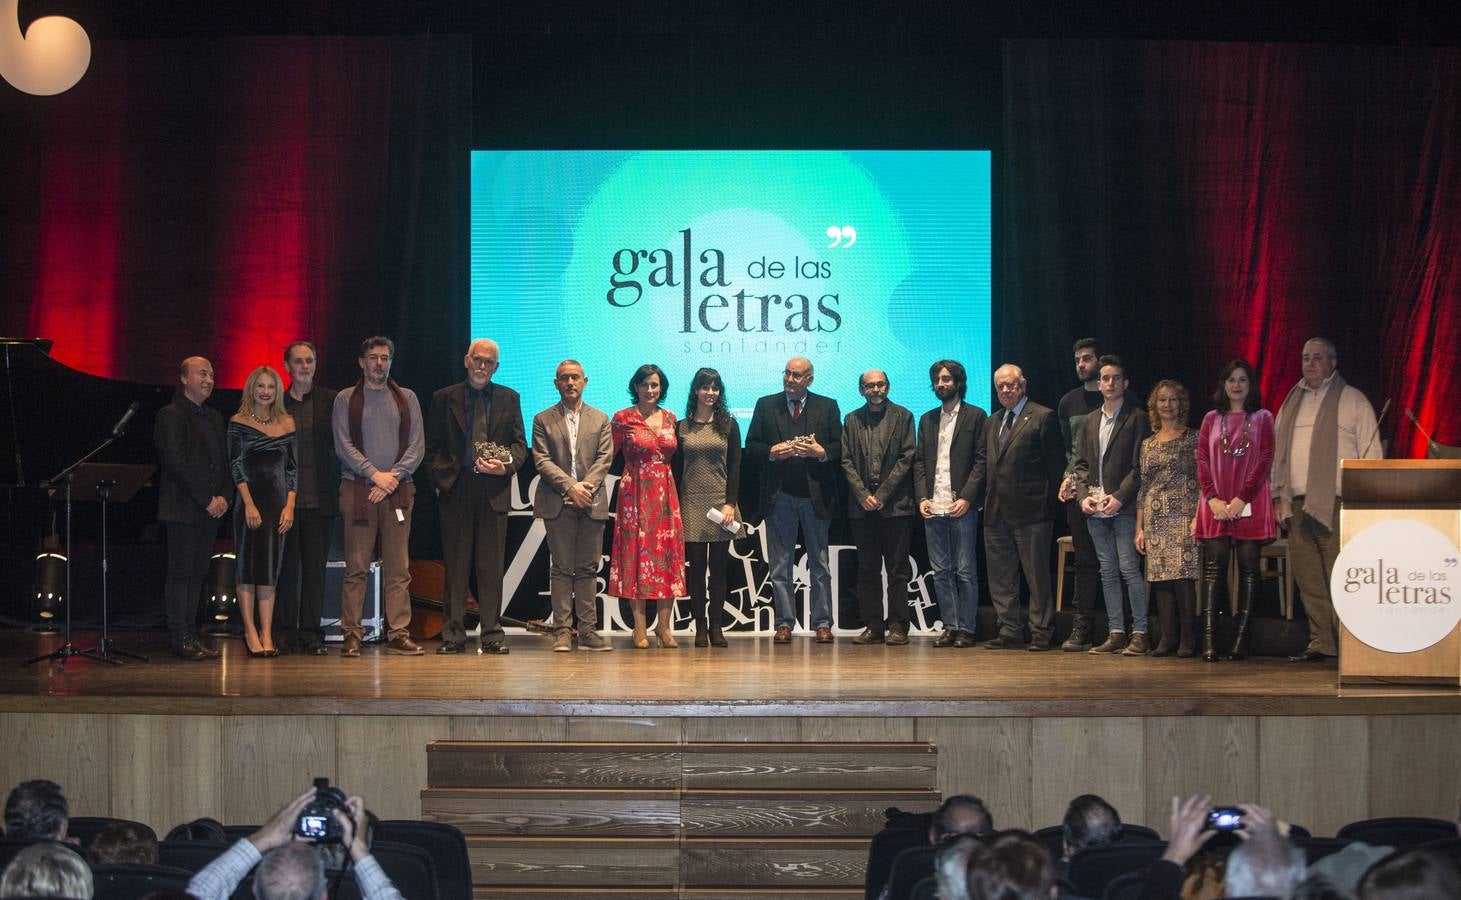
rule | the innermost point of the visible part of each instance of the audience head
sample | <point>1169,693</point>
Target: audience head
<point>1265,865</point>
<point>1017,867</point>
<point>124,842</point>
<point>643,382</point>
<point>1089,821</point>
<point>294,871</point>
<point>1415,874</point>
<point>36,811</point>
<point>1317,887</point>
<point>959,814</point>
<point>1087,355</point>
<point>951,865</point>
<point>955,379</point>
<point>204,829</point>
<point>47,869</point>
<point>1228,387</point>
<point>1167,392</point>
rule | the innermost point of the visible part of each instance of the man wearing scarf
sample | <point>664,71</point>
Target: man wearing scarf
<point>1322,422</point>
<point>378,438</point>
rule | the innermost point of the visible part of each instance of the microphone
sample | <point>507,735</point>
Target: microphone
<point>121,427</point>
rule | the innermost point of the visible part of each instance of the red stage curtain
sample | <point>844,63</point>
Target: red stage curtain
<point>224,197</point>
<point>1191,202</point>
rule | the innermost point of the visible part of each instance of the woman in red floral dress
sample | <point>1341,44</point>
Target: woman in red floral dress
<point>648,558</point>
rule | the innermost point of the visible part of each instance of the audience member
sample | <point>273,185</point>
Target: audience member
<point>1317,887</point>
<point>951,866</point>
<point>1265,865</point>
<point>124,843</point>
<point>1017,867</point>
<point>1089,821</point>
<point>36,811</point>
<point>47,869</point>
<point>960,814</point>
<point>289,870</point>
<point>1414,874</point>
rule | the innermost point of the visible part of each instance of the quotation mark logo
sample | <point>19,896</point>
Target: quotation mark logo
<point>845,236</point>
<point>1449,562</point>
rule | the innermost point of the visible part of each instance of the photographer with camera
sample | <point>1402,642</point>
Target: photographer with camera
<point>288,852</point>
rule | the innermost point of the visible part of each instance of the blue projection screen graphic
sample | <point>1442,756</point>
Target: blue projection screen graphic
<point>737,260</point>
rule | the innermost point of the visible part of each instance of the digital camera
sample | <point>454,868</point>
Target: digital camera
<point>316,822</point>
<point>1225,818</point>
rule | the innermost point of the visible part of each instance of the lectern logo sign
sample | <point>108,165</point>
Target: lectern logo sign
<point>1396,586</point>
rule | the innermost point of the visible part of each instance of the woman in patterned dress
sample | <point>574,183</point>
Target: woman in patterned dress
<point>261,452</point>
<point>648,557</point>
<point>1234,454</point>
<point>1166,506</point>
<point>708,474</point>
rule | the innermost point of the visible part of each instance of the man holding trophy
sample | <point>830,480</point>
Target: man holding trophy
<point>474,446</point>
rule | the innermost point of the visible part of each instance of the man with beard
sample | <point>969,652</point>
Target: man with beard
<point>378,438</point>
<point>948,480</point>
<point>1072,411</point>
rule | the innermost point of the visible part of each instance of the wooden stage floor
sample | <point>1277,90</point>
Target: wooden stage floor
<point>753,677</point>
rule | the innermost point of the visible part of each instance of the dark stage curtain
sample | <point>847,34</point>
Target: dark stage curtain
<point>224,197</point>
<point>1191,202</point>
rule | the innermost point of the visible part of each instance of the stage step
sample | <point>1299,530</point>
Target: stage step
<point>663,820</point>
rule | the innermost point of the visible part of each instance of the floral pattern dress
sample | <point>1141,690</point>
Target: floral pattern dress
<point>648,557</point>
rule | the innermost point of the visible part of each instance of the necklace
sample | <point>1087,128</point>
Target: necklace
<point>1230,448</point>
<point>264,421</point>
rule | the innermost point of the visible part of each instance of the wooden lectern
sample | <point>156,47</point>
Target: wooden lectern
<point>1427,491</point>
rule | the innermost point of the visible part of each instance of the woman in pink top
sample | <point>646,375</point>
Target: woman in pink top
<point>1234,453</point>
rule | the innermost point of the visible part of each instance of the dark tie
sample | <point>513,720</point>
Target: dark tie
<point>1004,429</point>
<point>796,410</point>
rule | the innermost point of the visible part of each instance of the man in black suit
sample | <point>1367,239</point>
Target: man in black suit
<point>317,504</point>
<point>948,479</point>
<point>1025,464</point>
<point>1106,478</point>
<point>193,491</point>
<point>474,489</point>
<point>796,438</point>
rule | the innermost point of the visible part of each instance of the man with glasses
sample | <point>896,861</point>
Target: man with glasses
<point>474,446</point>
<point>378,439</point>
<point>796,438</point>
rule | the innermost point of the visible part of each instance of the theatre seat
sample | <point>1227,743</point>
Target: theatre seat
<point>1398,831</point>
<point>1092,868</point>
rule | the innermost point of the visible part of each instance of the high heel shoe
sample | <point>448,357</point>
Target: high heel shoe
<point>258,654</point>
<point>641,641</point>
<point>666,638</point>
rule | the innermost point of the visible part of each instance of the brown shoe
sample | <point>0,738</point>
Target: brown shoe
<point>1115,641</point>
<point>1138,645</point>
<point>824,635</point>
<point>352,645</point>
<point>404,646</point>
<point>563,642</point>
<point>783,634</point>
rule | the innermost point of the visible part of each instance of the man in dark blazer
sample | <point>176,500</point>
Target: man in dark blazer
<point>796,439</point>
<point>1026,463</point>
<point>877,458</point>
<point>193,492</point>
<point>317,504</point>
<point>474,492</point>
<point>948,479</point>
<point>572,451</point>
<point>1105,479</point>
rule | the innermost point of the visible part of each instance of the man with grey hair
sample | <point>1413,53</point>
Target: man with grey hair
<point>474,447</point>
<point>294,871</point>
<point>1322,422</point>
<point>1265,865</point>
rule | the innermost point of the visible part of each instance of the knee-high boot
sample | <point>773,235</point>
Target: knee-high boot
<point>1167,612</point>
<point>1210,577</point>
<point>1187,617</point>
<point>1247,594</point>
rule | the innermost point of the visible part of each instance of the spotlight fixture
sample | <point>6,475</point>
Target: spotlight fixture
<point>220,597</point>
<point>49,58</point>
<point>50,591</point>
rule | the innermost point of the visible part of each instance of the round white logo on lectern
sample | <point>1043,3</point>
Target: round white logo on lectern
<point>1397,586</point>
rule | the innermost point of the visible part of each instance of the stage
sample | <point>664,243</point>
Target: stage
<point>167,740</point>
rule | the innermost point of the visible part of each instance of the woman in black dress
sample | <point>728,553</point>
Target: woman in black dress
<point>261,450</point>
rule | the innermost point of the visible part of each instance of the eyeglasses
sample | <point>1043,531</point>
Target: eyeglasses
<point>874,384</point>
<point>378,357</point>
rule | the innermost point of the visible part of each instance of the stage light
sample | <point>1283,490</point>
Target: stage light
<point>50,591</point>
<point>48,59</point>
<point>221,594</point>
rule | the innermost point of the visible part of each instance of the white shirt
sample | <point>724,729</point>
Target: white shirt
<point>943,488</point>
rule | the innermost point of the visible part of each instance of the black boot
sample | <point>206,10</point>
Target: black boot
<point>1247,594</point>
<point>1167,613</point>
<point>717,638</point>
<point>1187,618</point>
<point>702,639</point>
<point>1209,607</point>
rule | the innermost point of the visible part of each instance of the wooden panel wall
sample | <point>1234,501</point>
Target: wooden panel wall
<point>164,769</point>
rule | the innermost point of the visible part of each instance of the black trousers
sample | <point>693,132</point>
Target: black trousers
<point>473,541</point>
<point>707,558</point>
<point>189,547</point>
<point>300,600</point>
<point>1087,566</point>
<point>882,541</point>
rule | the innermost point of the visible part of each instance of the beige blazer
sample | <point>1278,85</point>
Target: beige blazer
<point>552,457</point>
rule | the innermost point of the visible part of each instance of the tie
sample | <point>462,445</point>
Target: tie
<point>1004,429</point>
<point>796,410</point>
